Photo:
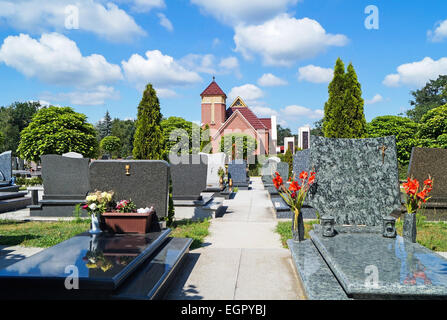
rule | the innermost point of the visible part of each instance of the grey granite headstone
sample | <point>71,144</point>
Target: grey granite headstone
<point>268,170</point>
<point>189,177</point>
<point>426,162</point>
<point>238,172</point>
<point>20,164</point>
<point>283,169</point>
<point>5,168</point>
<point>301,162</point>
<point>357,180</point>
<point>64,177</point>
<point>147,183</point>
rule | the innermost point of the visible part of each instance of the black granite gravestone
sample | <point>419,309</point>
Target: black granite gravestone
<point>65,182</point>
<point>237,171</point>
<point>145,182</point>
<point>189,176</point>
<point>427,162</point>
<point>5,168</point>
<point>301,162</point>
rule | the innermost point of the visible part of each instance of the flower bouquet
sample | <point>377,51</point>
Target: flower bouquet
<point>294,196</point>
<point>416,197</point>
<point>96,204</point>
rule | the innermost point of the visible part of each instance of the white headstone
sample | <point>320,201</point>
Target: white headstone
<point>215,161</point>
<point>73,155</point>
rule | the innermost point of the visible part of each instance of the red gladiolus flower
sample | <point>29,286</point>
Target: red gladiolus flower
<point>294,186</point>
<point>277,181</point>
<point>421,195</point>
<point>85,207</point>
<point>303,175</point>
<point>411,186</point>
<point>311,179</point>
<point>293,195</point>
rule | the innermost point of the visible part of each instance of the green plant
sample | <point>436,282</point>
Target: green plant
<point>77,213</point>
<point>57,130</point>
<point>288,157</point>
<point>110,144</point>
<point>235,143</point>
<point>149,141</point>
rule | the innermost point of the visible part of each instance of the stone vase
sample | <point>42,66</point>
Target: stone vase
<point>95,225</point>
<point>409,230</point>
<point>298,226</point>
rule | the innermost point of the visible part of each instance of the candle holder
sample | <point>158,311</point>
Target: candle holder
<point>389,227</point>
<point>327,226</point>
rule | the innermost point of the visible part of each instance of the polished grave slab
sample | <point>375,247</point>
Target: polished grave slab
<point>105,265</point>
<point>402,269</point>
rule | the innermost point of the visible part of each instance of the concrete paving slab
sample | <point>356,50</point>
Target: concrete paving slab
<point>261,270</point>
<point>13,254</point>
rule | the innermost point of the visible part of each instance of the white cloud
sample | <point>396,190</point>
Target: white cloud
<point>147,5</point>
<point>207,63</point>
<point>36,17</point>
<point>160,70</point>
<point>264,111</point>
<point>248,92</point>
<point>417,74</point>
<point>216,42</point>
<point>376,99</point>
<point>440,32</point>
<point>295,111</point>
<point>284,40</point>
<point>55,59</point>
<point>96,96</point>
<point>270,80</point>
<point>315,74</point>
<point>165,93</point>
<point>164,22</point>
<point>234,12</point>
<point>229,63</point>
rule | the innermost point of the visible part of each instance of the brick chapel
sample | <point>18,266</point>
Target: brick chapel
<point>236,118</point>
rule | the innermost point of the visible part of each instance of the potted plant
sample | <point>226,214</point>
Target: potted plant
<point>416,197</point>
<point>294,196</point>
<point>221,174</point>
<point>96,204</point>
<point>127,219</point>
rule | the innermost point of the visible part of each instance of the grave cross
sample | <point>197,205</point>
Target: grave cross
<point>383,149</point>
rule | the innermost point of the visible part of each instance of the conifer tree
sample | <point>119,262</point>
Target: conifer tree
<point>149,141</point>
<point>353,106</point>
<point>333,122</point>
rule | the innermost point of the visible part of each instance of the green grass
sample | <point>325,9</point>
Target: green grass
<point>197,230</point>
<point>39,234</point>
<point>432,235</point>
<point>285,230</point>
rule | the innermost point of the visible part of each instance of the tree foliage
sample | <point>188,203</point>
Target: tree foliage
<point>432,95</point>
<point>235,143</point>
<point>104,127</point>
<point>288,157</point>
<point>282,133</point>
<point>111,144</point>
<point>343,112</point>
<point>404,129</point>
<point>183,131</point>
<point>57,130</point>
<point>125,131</point>
<point>149,141</point>
<point>433,128</point>
<point>13,119</point>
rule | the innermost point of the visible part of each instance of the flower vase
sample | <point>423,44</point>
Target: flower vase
<point>95,225</point>
<point>409,228</point>
<point>298,226</point>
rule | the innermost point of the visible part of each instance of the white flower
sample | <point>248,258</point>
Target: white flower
<point>92,206</point>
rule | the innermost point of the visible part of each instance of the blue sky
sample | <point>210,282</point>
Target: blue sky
<point>275,54</point>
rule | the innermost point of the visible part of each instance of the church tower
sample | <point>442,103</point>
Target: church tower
<point>213,106</point>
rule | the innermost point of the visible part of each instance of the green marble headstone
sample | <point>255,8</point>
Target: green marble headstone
<point>357,180</point>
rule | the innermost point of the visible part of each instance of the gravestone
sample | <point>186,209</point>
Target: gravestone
<point>215,162</point>
<point>432,162</point>
<point>189,177</point>
<point>237,171</point>
<point>5,168</point>
<point>357,180</point>
<point>301,162</point>
<point>73,155</point>
<point>268,170</point>
<point>66,184</point>
<point>145,182</point>
<point>283,169</point>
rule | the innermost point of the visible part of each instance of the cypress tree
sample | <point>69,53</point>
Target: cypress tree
<point>333,124</point>
<point>149,141</point>
<point>353,105</point>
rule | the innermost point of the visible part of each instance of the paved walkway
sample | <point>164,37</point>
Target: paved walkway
<point>242,258</point>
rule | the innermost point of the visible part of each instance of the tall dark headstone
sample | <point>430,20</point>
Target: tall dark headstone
<point>357,180</point>
<point>65,183</point>
<point>301,161</point>
<point>145,182</point>
<point>237,171</point>
<point>189,177</point>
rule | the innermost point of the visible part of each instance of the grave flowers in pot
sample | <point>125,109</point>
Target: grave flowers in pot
<point>121,217</point>
<point>294,196</point>
<point>416,197</point>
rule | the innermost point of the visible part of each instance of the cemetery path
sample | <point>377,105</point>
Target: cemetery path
<point>242,257</point>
